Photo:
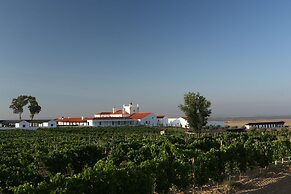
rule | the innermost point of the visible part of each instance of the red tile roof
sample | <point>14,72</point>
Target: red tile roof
<point>139,115</point>
<point>160,116</point>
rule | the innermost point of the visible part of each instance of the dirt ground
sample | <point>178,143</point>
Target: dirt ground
<point>241,123</point>
<point>273,179</point>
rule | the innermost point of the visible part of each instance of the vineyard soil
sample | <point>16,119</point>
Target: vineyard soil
<point>271,180</point>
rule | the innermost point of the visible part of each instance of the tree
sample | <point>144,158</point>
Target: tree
<point>197,110</point>
<point>33,107</point>
<point>17,105</point>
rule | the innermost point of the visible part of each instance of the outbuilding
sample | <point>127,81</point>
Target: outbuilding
<point>267,125</point>
<point>162,120</point>
<point>50,124</point>
<point>145,118</point>
<point>22,125</point>
<point>178,122</point>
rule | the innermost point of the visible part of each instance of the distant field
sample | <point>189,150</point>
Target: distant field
<point>243,122</point>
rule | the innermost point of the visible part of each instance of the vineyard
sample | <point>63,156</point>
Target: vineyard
<point>129,159</point>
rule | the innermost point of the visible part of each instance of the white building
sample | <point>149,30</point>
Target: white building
<point>270,124</point>
<point>22,125</point>
<point>172,122</point>
<point>50,124</point>
<point>111,121</point>
<point>42,123</point>
<point>28,124</point>
<point>129,115</point>
<point>75,121</point>
<point>141,118</point>
<point>130,109</point>
<point>184,122</point>
<point>145,118</point>
<point>162,120</point>
<point>178,122</point>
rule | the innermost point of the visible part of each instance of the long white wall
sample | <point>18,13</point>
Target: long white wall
<point>108,123</point>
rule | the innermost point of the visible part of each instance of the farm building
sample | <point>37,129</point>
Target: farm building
<point>27,124</point>
<point>75,121</point>
<point>129,115</point>
<point>270,124</point>
<point>142,118</point>
<point>42,123</point>
<point>178,122</point>
<point>111,121</point>
<point>50,124</point>
<point>162,120</point>
<point>22,125</point>
<point>8,123</point>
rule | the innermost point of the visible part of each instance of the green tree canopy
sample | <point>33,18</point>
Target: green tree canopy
<point>21,101</point>
<point>33,107</point>
<point>17,105</point>
<point>197,110</point>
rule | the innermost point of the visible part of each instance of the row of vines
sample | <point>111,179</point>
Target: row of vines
<point>129,159</point>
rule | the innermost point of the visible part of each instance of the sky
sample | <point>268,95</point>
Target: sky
<point>86,56</point>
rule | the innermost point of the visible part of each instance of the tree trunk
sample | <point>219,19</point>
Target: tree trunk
<point>31,117</point>
<point>20,116</point>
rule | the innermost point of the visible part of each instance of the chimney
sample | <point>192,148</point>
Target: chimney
<point>82,118</point>
<point>113,109</point>
<point>130,108</point>
<point>137,108</point>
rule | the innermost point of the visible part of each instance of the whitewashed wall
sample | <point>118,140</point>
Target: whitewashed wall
<point>22,125</point>
<point>109,123</point>
<point>162,121</point>
<point>184,123</point>
<point>178,122</point>
<point>150,120</point>
<point>50,124</point>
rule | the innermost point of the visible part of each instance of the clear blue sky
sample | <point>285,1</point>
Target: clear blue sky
<point>80,57</point>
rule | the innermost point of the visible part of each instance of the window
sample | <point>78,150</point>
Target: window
<point>23,126</point>
<point>52,125</point>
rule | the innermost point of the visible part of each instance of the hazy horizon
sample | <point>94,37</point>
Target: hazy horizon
<point>82,57</point>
